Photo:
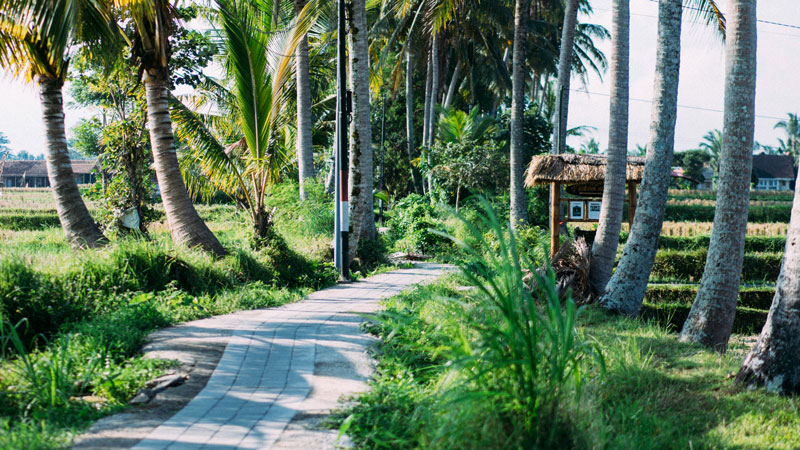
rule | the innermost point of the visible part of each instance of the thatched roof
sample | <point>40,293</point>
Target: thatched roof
<point>570,168</point>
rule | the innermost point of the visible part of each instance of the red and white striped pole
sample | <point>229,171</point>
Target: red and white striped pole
<point>343,108</point>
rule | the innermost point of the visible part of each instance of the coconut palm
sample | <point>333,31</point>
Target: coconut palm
<point>35,41</point>
<point>564,71</point>
<point>519,206</point>
<point>153,21</point>
<point>242,149</point>
<point>362,218</point>
<point>625,290</point>
<point>604,248</point>
<point>710,320</point>
<point>791,144</point>
<point>304,146</point>
<point>712,144</point>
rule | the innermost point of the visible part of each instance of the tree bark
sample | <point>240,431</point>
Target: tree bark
<point>362,220</point>
<point>710,320</point>
<point>564,71</point>
<point>519,204</point>
<point>432,117</point>
<point>625,291</point>
<point>410,119</point>
<point>303,145</point>
<point>774,362</point>
<point>604,249</point>
<point>185,225</point>
<point>427,112</point>
<point>79,227</point>
<point>454,83</point>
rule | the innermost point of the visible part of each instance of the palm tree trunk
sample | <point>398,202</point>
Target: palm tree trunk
<point>454,82</point>
<point>303,145</point>
<point>564,70</point>
<point>432,116</point>
<point>774,359</point>
<point>79,227</point>
<point>185,225</point>
<point>427,113</point>
<point>604,249</point>
<point>625,291</point>
<point>710,320</point>
<point>519,204</point>
<point>410,119</point>
<point>362,220</point>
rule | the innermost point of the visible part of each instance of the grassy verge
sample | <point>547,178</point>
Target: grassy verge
<point>655,393</point>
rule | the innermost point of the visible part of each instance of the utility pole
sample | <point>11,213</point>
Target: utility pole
<point>383,152</point>
<point>343,109</point>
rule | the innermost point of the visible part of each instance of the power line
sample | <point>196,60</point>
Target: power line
<point>698,108</point>
<point>769,22</point>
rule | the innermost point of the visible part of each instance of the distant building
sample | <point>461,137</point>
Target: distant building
<point>33,173</point>
<point>775,172</point>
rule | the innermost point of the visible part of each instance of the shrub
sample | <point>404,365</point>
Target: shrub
<point>673,315</point>
<point>752,244</point>
<point>702,213</point>
<point>749,297</point>
<point>689,265</point>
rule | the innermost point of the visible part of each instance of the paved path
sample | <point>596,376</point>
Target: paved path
<point>283,367</point>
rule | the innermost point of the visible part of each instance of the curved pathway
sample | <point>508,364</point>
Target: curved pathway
<point>284,369</point>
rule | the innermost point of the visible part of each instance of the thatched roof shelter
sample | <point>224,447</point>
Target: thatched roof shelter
<point>569,168</point>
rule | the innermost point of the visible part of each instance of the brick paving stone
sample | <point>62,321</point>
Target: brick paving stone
<point>284,363</point>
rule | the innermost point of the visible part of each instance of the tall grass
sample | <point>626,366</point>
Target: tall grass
<point>499,367</point>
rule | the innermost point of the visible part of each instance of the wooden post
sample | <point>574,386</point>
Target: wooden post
<point>631,203</point>
<point>555,212</point>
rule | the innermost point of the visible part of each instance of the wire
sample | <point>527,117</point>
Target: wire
<point>698,108</point>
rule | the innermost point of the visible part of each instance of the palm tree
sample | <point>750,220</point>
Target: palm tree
<point>35,39</point>
<point>519,206</point>
<point>153,21</point>
<point>710,320</point>
<point>604,248</point>
<point>792,128</point>
<point>242,151</point>
<point>565,62</point>
<point>304,146</point>
<point>625,290</point>
<point>362,219</point>
<point>712,143</point>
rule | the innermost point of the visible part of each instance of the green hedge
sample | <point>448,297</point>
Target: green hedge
<point>680,265</point>
<point>31,220</point>
<point>747,320</point>
<point>771,244</point>
<point>749,297</point>
<point>712,195</point>
<point>702,213</point>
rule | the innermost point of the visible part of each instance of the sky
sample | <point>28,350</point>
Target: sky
<point>700,94</point>
<point>702,76</point>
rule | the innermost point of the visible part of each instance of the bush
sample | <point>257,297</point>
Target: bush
<point>749,297</point>
<point>689,265</point>
<point>499,368</point>
<point>752,244</point>
<point>673,315</point>
<point>99,281</point>
<point>712,195</point>
<point>28,220</point>
<point>703,213</point>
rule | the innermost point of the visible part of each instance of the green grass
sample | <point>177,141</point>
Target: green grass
<point>81,317</point>
<point>655,393</point>
<point>658,393</point>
